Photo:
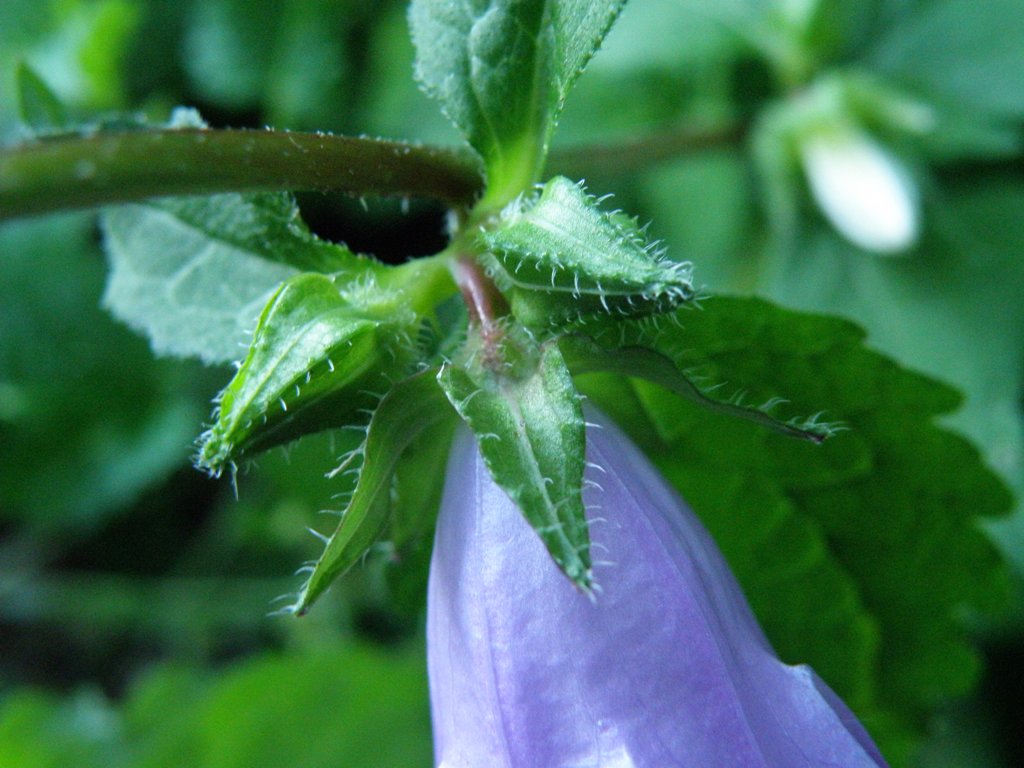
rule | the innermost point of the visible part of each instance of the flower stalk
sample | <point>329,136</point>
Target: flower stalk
<point>87,170</point>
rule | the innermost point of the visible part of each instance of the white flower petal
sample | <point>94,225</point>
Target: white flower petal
<point>862,189</point>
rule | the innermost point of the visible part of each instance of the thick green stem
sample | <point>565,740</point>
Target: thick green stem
<point>83,171</point>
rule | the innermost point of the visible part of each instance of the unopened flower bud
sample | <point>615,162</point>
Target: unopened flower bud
<point>314,361</point>
<point>862,189</point>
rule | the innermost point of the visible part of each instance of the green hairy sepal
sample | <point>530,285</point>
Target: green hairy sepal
<point>560,260</point>
<point>520,402</point>
<point>410,408</point>
<point>321,355</point>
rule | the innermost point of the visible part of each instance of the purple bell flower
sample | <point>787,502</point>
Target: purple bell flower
<point>666,667</point>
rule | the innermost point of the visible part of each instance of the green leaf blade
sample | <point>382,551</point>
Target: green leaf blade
<point>266,225</point>
<point>886,514</point>
<point>470,57</point>
<point>530,431</point>
<point>40,108</point>
<point>502,71</point>
<point>194,273</point>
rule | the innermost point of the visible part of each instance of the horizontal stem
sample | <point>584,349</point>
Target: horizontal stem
<point>87,170</point>
<point>82,171</point>
<point>636,154</point>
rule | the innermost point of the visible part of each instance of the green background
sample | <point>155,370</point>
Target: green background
<point>134,590</point>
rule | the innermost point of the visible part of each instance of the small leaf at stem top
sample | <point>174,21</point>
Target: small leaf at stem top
<point>502,70</point>
<point>38,106</point>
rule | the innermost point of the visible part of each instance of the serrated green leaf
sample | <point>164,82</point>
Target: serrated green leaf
<point>502,71</point>
<point>871,550</point>
<point>193,273</point>
<point>410,407</point>
<point>531,433</point>
<point>562,260</point>
<point>953,310</point>
<point>39,107</point>
<point>316,359</point>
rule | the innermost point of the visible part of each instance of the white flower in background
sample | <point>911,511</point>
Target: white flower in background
<point>862,189</point>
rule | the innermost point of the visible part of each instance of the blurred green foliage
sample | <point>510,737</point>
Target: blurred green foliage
<point>268,711</point>
<point>133,590</point>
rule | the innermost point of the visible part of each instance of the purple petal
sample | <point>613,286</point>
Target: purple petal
<point>667,667</point>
